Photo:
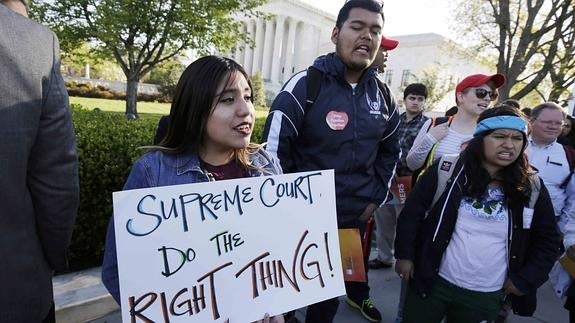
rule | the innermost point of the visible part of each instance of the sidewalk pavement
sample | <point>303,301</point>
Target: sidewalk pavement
<point>385,286</point>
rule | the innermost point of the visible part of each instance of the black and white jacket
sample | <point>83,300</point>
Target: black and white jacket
<point>424,231</point>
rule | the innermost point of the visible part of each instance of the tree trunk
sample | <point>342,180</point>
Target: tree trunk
<point>132,99</point>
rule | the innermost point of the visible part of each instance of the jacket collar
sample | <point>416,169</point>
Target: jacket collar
<point>189,162</point>
<point>332,64</point>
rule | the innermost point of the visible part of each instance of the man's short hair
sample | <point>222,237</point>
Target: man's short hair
<point>415,89</point>
<point>512,102</point>
<point>536,111</point>
<point>371,5</point>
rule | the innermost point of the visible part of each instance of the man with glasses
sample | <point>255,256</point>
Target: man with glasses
<point>350,126</point>
<point>552,160</point>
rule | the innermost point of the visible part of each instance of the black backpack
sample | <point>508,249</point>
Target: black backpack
<point>314,78</point>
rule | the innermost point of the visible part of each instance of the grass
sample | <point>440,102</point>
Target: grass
<point>144,108</point>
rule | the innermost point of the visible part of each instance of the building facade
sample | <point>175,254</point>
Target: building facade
<point>297,33</point>
<point>287,43</point>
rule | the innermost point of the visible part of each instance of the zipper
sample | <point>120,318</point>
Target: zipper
<point>354,125</point>
<point>509,236</point>
<point>445,203</point>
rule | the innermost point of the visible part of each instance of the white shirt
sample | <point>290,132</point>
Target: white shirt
<point>553,167</point>
<point>476,257</point>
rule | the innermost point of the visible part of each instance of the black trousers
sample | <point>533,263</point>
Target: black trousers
<point>51,317</point>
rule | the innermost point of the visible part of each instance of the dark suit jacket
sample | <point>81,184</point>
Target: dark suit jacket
<point>38,168</point>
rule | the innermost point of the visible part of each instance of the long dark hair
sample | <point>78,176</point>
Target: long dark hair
<point>193,103</point>
<point>514,177</point>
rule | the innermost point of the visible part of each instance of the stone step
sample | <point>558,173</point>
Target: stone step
<point>81,297</point>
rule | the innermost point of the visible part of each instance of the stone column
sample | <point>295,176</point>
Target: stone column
<point>249,52</point>
<point>240,48</point>
<point>302,35</point>
<point>268,47</point>
<point>257,59</point>
<point>277,65</point>
<point>290,50</point>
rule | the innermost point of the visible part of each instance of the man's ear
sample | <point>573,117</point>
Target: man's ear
<point>334,34</point>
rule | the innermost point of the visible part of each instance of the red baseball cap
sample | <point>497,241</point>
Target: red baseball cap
<point>388,44</point>
<point>480,79</point>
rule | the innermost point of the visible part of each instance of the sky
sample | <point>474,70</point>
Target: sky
<point>404,17</point>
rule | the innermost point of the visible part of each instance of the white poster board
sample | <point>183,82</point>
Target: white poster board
<point>232,249</point>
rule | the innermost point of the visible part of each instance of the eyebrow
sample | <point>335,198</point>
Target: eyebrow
<point>232,90</point>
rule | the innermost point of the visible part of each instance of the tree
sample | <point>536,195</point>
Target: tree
<point>140,34</point>
<point>166,75</point>
<point>259,90</point>
<point>437,85</point>
<point>563,72</point>
<point>522,34</point>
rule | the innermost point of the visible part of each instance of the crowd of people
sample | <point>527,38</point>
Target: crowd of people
<point>490,187</point>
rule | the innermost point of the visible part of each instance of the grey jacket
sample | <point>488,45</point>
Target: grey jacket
<point>38,168</point>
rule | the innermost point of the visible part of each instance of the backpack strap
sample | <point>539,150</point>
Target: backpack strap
<point>386,93</point>
<point>535,189</point>
<point>313,84</point>
<point>445,170</point>
<point>570,155</point>
<point>429,159</point>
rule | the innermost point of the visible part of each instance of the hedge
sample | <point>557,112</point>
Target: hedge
<point>108,145</point>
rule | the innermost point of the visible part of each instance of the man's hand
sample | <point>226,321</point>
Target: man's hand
<point>510,288</point>
<point>368,212</point>
<point>404,268</point>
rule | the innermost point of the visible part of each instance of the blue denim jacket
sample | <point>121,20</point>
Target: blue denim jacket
<point>160,169</point>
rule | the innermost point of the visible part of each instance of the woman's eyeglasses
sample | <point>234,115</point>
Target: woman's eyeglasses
<point>482,93</point>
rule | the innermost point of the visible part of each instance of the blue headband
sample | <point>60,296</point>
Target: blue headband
<point>501,122</point>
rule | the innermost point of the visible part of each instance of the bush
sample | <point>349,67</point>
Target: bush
<point>88,90</point>
<point>107,148</point>
<point>258,130</point>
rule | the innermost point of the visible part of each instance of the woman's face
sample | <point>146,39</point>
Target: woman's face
<point>231,120</point>
<point>566,127</point>
<point>501,148</point>
<point>471,102</point>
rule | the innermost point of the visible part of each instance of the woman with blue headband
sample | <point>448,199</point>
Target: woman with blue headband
<point>487,237</point>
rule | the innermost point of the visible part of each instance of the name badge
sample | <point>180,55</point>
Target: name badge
<point>527,217</point>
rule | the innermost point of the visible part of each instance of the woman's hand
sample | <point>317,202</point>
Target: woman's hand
<point>274,319</point>
<point>267,319</point>
<point>510,288</point>
<point>404,268</point>
<point>439,131</point>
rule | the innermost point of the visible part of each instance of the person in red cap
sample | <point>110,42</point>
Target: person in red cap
<point>473,95</point>
<point>382,54</point>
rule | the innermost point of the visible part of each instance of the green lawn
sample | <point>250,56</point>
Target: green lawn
<point>153,108</point>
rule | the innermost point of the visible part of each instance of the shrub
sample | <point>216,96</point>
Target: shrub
<point>107,147</point>
<point>88,90</point>
<point>258,130</point>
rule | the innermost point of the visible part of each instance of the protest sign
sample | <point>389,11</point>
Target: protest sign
<point>232,249</point>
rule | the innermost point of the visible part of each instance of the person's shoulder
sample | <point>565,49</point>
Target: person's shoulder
<point>15,21</point>
<point>262,159</point>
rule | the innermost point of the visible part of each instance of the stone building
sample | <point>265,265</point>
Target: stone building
<point>297,33</point>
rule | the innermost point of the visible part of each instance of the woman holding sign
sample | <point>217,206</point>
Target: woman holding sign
<point>208,138</point>
<point>487,235</point>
